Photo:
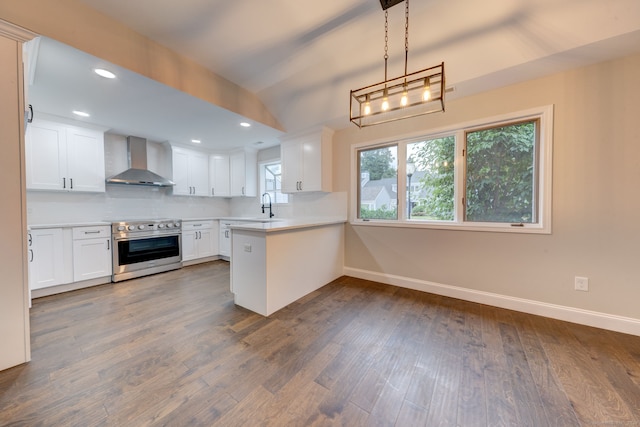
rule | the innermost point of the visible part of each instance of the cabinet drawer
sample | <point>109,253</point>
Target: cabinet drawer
<point>100,231</point>
<point>196,225</point>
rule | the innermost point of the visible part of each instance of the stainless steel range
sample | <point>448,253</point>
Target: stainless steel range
<point>145,247</point>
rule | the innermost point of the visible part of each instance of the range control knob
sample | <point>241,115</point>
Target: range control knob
<point>177,224</point>
<point>160,225</point>
<point>141,227</point>
<point>131,227</point>
<point>121,228</point>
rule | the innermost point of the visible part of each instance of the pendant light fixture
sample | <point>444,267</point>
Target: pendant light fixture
<point>409,95</point>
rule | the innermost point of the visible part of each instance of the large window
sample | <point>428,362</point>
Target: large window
<point>488,175</point>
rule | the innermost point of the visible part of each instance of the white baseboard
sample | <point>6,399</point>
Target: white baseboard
<point>67,287</point>
<point>200,260</point>
<point>596,319</point>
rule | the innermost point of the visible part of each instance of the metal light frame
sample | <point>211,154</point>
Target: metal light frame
<point>403,95</point>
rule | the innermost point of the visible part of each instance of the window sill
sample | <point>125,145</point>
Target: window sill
<point>490,227</point>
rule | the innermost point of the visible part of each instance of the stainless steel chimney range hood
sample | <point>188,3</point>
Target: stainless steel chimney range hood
<point>138,174</point>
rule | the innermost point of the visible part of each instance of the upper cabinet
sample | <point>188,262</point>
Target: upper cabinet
<point>306,162</point>
<point>190,172</point>
<point>244,173</point>
<point>61,157</point>
<point>219,175</point>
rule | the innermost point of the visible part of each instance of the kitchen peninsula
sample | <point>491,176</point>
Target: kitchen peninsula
<point>276,263</point>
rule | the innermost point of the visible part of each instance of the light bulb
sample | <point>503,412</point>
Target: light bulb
<point>405,98</point>
<point>367,106</point>
<point>385,100</point>
<point>426,95</point>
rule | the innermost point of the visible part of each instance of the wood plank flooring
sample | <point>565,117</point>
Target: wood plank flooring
<point>173,350</point>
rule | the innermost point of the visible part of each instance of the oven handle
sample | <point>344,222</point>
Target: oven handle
<point>138,236</point>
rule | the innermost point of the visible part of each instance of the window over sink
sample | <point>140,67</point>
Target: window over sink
<point>271,181</point>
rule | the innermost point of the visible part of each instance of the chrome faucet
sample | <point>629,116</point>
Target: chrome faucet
<point>271,214</point>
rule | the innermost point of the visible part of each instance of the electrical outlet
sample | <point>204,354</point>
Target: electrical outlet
<point>582,284</point>
<point>247,247</point>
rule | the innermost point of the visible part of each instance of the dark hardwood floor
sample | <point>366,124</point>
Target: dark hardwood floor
<point>172,349</point>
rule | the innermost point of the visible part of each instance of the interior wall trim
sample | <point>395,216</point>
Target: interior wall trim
<point>596,319</point>
<point>14,32</point>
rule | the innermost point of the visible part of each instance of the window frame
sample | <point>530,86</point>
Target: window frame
<point>542,180</point>
<point>262,166</point>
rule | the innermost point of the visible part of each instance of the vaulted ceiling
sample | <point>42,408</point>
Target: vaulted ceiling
<point>303,57</point>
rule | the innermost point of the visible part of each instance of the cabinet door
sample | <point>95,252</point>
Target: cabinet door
<point>46,258</point>
<point>189,249</point>
<point>85,160</point>
<point>46,156</point>
<point>225,240</point>
<point>91,258</point>
<point>311,160</point>
<point>243,174</point>
<point>237,174</point>
<point>180,161</point>
<point>199,173</point>
<point>291,167</point>
<point>219,176</point>
<point>205,243</point>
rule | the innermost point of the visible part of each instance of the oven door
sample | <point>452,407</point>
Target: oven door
<point>145,251</point>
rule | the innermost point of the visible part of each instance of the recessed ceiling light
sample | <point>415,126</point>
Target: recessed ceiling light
<point>196,141</point>
<point>245,124</point>
<point>81,113</point>
<point>104,73</point>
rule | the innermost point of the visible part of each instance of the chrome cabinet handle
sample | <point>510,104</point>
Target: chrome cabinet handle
<point>30,119</point>
<point>71,181</point>
<point>30,239</point>
<point>31,253</point>
<point>64,182</point>
<point>212,192</point>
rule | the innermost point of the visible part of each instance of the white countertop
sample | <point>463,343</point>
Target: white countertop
<point>69,225</point>
<point>289,224</point>
<point>230,218</point>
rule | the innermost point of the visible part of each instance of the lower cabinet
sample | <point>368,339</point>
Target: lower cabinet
<point>225,239</point>
<point>65,255</point>
<point>49,258</point>
<point>91,252</point>
<point>199,239</point>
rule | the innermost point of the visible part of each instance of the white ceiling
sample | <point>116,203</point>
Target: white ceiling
<point>303,57</point>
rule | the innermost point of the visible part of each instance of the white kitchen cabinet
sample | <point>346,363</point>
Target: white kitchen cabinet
<point>225,239</point>
<point>199,239</point>
<point>306,162</point>
<point>49,258</point>
<point>219,175</point>
<point>190,172</point>
<point>60,157</point>
<point>91,252</point>
<point>244,173</point>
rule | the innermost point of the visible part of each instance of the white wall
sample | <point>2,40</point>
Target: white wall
<point>595,228</point>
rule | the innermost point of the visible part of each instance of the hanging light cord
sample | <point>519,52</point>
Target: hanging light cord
<point>406,38</point>
<point>386,42</point>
